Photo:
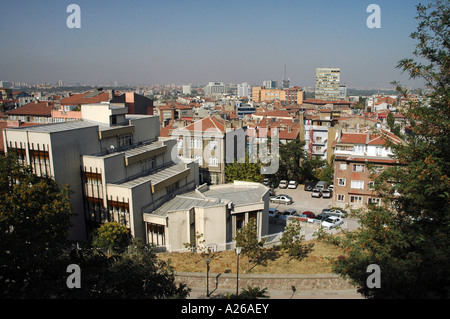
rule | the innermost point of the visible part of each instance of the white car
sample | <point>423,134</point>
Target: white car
<point>292,184</point>
<point>281,199</point>
<point>332,222</point>
<point>316,193</point>
<point>326,193</point>
<point>283,184</point>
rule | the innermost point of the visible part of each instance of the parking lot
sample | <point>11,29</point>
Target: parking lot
<point>303,201</point>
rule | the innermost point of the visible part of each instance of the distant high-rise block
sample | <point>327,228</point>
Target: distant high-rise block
<point>327,84</point>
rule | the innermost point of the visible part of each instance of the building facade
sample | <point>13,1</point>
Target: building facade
<point>113,161</point>
<point>327,84</point>
<point>358,158</point>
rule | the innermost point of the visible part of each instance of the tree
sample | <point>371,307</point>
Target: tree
<point>247,239</point>
<point>112,237</point>
<point>246,171</point>
<point>35,218</point>
<point>408,236</point>
<point>291,155</point>
<point>292,241</point>
<point>35,251</point>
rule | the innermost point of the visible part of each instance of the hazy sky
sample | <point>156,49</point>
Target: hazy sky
<point>202,41</point>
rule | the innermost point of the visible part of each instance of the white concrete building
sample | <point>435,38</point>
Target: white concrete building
<point>113,162</point>
<point>215,212</point>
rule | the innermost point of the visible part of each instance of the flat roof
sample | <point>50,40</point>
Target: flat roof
<point>57,127</point>
<point>155,177</point>
<point>184,202</point>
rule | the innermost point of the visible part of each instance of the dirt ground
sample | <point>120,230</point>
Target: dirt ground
<point>317,262</point>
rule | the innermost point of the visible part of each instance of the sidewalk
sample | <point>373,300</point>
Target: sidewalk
<point>200,293</point>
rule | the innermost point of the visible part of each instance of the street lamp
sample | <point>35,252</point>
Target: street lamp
<point>208,260</point>
<point>238,251</point>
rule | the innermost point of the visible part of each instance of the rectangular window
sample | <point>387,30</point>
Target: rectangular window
<point>357,184</point>
<point>341,181</point>
<point>340,198</point>
<point>356,199</point>
<point>358,168</point>
<point>125,140</point>
<point>343,166</point>
<point>213,161</point>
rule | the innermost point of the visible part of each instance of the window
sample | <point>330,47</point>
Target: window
<point>358,168</point>
<point>357,184</point>
<point>343,166</point>
<point>341,181</point>
<point>358,149</point>
<point>213,161</point>
<point>214,178</point>
<point>373,201</point>
<point>371,185</point>
<point>378,150</point>
<point>340,198</point>
<point>148,164</point>
<point>196,143</point>
<point>356,199</point>
<point>124,140</point>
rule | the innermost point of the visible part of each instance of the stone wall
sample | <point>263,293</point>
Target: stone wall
<point>270,281</point>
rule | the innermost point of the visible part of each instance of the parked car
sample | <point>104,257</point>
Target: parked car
<point>281,199</point>
<point>283,184</point>
<point>309,186</point>
<point>321,185</point>
<point>309,214</point>
<point>321,216</point>
<point>273,212</point>
<point>316,192</point>
<point>290,213</point>
<point>335,212</point>
<point>305,216</point>
<point>292,184</point>
<point>332,222</point>
<point>326,193</point>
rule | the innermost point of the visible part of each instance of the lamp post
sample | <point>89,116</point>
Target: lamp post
<point>208,260</point>
<point>238,251</point>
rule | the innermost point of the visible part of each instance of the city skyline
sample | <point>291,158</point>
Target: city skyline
<point>200,42</point>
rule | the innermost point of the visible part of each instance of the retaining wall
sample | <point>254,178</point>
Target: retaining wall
<point>270,281</point>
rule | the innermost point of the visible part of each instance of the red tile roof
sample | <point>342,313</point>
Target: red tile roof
<point>209,124</point>
<point>43,108</point>
<point>86,98</point>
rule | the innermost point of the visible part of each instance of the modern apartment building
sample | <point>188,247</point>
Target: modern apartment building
<point>215,89</point>
<point>355,155</point>
<point>289,96</point>
<point>113,161</point>
<point>327,84</point>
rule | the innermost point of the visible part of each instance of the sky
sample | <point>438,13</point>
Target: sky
<point>196,41</point>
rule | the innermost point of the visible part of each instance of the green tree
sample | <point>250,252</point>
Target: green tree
<point>292,242</point>
<point>252,247</point>
<point>246,171</point>
<point>291,155</point>
<point>112,236</point>
<point>408,236</point>
<point>35,251</point>
<point>35,218</point>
